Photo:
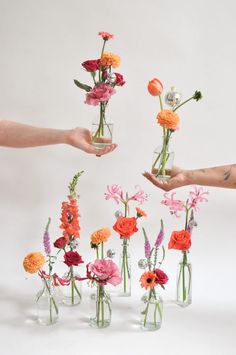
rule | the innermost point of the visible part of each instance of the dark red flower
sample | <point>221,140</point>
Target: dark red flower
<point>72,258</point>
<point>161,277</point>
<point>119,79</point>
<point>91,65</point>
<point>60,243</point>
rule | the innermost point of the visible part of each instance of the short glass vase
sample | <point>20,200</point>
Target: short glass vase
<point>151,311</point>
<point>47,304</point>
<point>100,308</point>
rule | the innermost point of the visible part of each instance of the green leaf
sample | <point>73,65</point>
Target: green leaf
<point>82,86</point>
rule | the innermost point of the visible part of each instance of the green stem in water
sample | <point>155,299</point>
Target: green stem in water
<point>72,286</point>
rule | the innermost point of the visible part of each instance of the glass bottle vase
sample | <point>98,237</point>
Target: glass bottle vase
<point>72,293</point>
<point>100,305</point>
<point>47,304</point>
<point>102,129</point>
<point>163,160</point>
<point>125,270</point>
<point>151,311</point>
<point>184,284</point>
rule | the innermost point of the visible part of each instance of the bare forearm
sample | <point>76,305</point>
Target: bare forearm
<point>219,176</point>
<point>18,135</point>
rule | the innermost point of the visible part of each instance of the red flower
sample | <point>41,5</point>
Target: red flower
<point>180,240</point>
<point>91,65</point>
<point>72,258</point>
<point>126,226</point>
<point>161,277</point>
<point>119,79</point>
<point>60,243</point>
<point>106,35</point>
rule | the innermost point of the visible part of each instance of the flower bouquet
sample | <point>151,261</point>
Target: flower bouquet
<point>169,120</point>
<point>126,227</point>
<point>181,240</point>
<point>101,273</point>
<point>151,315</point>
<point>46,299</point>
<point>68,243</point>
<point>104,83</point>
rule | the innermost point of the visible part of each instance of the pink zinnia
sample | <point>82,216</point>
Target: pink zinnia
<point>99,93</point>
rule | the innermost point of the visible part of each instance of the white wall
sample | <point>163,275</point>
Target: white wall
<point>190,44</point>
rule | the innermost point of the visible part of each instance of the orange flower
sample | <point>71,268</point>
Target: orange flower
<point>70,219</point>
<point>168,119</point>
<point>140,213</point>
<point>100,236</point>
<point>109,58</point>
<point>126,226</point>
<point>148,280</point>
<point>180,240</point>
<point>155,87</point>
<point>33,262</point>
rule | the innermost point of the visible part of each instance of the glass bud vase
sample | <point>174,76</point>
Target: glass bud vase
<point>102,131</point>
<point>151,311</point>
<point>125,270</point>
<point>72,293</point>
<point>100,305</point>
<point>47,304</point>
<point>163,160</point>
<point>184,284</point>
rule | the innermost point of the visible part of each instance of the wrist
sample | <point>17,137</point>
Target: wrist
<point>188,176</point>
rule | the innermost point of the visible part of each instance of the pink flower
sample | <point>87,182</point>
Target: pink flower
<point>115,192</point>
<point>175,206</point>
<point>105,271</point>
<point>197,196</point>
<point>106,35</point>
<point>91,65</point>
<point>140,196</point>
<point>119,79</point>
<point>99,93</point>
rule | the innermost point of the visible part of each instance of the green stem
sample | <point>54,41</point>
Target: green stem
<point>183,103</point>
<point>160,100</point>
<point>102,251</point>
<point>72,286</point>
<point>103,47</point>
<point>146,311</point>
<point>97,252</point>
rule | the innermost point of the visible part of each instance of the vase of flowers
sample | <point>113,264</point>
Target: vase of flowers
<point>181,240</point>
<point>168,119</point>
<point>104,81</point>
<point>152,304</point>
<point>126,227</point>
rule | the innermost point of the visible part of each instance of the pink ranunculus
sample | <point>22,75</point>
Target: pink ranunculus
<point>106,271</point>
<point>99,93</point>
<point>91,65</point>
<point>119,79</point>
<point>161,277</point>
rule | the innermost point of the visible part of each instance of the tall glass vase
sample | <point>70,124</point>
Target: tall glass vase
<point>102,129</point>
<point>163,160</point>
<point>72,293</point>
<point>184,282</point>
<point>47,303</point>
<point>151,311</point>
<point>100,304</point>
<point>125,270</point>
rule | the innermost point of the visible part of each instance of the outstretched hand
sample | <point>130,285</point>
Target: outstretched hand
<point>82,138</point>
<point>178,179</point>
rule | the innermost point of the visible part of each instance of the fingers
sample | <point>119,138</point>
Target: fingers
<point>164,185</point>
<point>101,151</point>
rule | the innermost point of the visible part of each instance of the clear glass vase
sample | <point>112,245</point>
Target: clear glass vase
<point>72,293</point>
<point>184,283</point>
<point>163,160</point>
<point>151,311</point>
<point>100,305</point>
<point>102,130</point>
<point>125,270</point>
<point>47,303</point>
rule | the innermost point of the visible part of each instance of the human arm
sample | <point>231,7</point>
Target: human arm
<point>18,135</point>
<point>219,176</point>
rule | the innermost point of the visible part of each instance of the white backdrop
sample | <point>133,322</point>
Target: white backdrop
<point>190,44</point>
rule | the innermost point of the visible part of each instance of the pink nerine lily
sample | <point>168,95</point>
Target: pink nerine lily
<point>197,196</point>
<point>115,192</point>
<point>175,206</point>
<point>140,196</point>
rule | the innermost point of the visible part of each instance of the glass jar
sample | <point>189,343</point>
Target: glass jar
<point>125,270</point>
<point>151,311</point>
<point>102,129</point>
<point>100,305</point>
<point>184,283</point>
<point>47,304</point>
<point>163,160</point>
<point>72,293</point>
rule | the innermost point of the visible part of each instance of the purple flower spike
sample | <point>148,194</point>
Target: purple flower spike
<point>147,246</point>
<point>46,239</point>
<point>160,236</point>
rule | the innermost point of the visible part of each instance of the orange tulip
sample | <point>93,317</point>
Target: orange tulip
<point>155,87</point>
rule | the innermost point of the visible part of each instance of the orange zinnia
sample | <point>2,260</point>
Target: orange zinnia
<point>168,119</point>
<point>110,59</point>
<point>100,236</point>
<point>148,280</point>
<point>33,262</point>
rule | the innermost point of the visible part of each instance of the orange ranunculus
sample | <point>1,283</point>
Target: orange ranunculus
<point>126,226</point>
<point>155,87</point>
<point>109,58</point>
<point>140,213</point>
<point>168,119</point>
<point>180,240</point>
<point>148,280</point>
<point>100,236</point>
<point>33,262</point>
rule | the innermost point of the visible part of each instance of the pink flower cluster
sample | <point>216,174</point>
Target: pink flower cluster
<point>99,93</point>
<point>175,206</point>
<point>115,192</point>
<point>104,271</point>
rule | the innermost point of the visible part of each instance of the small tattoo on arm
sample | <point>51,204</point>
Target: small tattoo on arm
<point>228,172</point>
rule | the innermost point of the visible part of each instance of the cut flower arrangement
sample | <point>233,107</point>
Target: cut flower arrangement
<point>104,81</point>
